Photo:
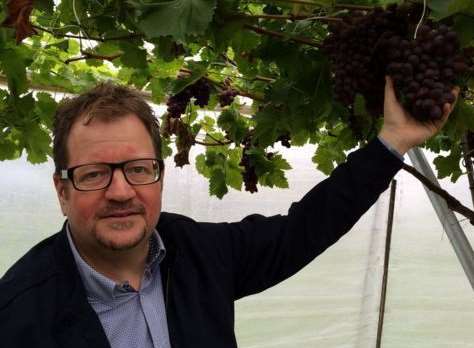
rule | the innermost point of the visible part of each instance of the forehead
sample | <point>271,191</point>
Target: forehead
<point>108,140</point>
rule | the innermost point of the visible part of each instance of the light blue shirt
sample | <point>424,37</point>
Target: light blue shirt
<point>130,318</point>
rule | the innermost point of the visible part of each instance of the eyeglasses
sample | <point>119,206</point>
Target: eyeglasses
<point>98,176</point>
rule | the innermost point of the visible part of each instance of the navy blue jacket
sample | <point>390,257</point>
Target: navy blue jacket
<point>207,266</point>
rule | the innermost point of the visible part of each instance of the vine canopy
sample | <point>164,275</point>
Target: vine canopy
<point>267,54</point>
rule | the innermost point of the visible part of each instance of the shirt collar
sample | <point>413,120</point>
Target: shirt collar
<point>100,287</point>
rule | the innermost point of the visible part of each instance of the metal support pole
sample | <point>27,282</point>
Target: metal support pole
<point>388,242</point>
<point>460,243</point>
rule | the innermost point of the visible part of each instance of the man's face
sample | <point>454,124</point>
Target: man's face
<point>121,216</point>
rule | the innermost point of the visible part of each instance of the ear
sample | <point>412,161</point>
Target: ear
<point>62,193</point>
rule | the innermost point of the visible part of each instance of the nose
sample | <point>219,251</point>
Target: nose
<point>119,189</point>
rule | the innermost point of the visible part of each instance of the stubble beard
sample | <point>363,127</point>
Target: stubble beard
<point>107,241</point>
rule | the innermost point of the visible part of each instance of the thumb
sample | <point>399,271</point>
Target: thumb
<point>390,96</point>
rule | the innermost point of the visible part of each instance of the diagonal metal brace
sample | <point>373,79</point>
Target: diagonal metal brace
<point>455,233</point>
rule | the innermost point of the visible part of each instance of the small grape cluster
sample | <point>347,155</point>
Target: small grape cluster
<point>200,90</point>
<point>351,47</point>
<point>424,70</point>
<point>364,48</point>
<point>285,139</point>
<point>249,175</point>
<point>227,96</point>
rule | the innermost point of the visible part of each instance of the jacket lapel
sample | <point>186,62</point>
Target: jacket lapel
<point>77,324</point>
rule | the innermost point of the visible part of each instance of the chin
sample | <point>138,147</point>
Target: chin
<point>120,233</point>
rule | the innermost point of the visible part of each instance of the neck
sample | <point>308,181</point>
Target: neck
<point>118,265</point>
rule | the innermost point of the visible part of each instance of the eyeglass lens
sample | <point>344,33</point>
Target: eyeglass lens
<point>95,176</point>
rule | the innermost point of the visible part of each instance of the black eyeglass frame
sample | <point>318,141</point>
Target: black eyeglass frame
<point>68,174</point>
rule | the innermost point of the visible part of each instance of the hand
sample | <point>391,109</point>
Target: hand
<point>400,129</point>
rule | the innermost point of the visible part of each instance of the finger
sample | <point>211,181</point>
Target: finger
<point>455,92</point>
<point>448,108</point>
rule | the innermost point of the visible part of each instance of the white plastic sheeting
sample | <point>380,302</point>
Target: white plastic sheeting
<point>331,303</point>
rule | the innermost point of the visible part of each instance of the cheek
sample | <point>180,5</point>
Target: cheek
<point>152,202</point>
<point>84,207</point>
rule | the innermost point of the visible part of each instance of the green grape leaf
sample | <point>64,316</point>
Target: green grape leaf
<point>362,121</point>
<point>461,120</point>
<point>133,56</point>
<point>270,122</point>
<point>217,185</point>
<point>276,175</point>
<point>9,149</point>
<point>162,69</point>
<point>158,88</point>
<point>178,18</point>
<point>166,150</point>
<point>45,107</point>
<point>197,71</point>
<point>464,26</point>
<point>235,125</point>
<point>37,143</point>
<point>63,45</point>
<point>207,124</point>
<point>330,151</point>
<point>442,8</point>
<point>202,166</point>
<point>13,65</point>
<point>232,169</point>
<point>233,177</point>
<point>44,5</point>
<point>269,169</point>
<point>449,165</point>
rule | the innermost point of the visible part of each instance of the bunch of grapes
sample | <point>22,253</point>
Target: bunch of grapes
<point>227,96</point>
<point>424,70</point>
<point>366,47</point>
<point>200,90</point>
<point>249,175</point>
<point>351,47</point>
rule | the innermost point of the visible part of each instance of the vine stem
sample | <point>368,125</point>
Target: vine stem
<point>87,55</point>
<point>263,31</point>
<point>290,17</point>
<point>316,4</point>
<point>468,164</point>
<point>217,143</point>
<point>211,144</point>
<point>452,202</point>
<point>353,7</point>
<point>91,38</point>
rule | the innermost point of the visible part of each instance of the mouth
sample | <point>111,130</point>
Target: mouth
<point>121,214</point>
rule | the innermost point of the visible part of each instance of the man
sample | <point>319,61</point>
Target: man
<point>121,273</point>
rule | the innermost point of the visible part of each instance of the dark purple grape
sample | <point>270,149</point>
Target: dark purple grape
<point>448,98</point>
<point>424,31</point>
<point>436,94</point>
<point>435,112</point>
<point>459,67</point>
<point>451,36</point>
<point>413,59</point>
<point>428,104</point>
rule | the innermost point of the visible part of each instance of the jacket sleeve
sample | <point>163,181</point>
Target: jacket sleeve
<point>267,250</point>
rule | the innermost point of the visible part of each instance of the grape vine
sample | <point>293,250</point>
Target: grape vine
<point>308,72</point>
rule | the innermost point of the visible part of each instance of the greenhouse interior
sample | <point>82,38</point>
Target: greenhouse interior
<point>334,302</point>
<point>242,82</point>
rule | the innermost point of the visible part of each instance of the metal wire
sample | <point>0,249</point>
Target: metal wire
<point>421,19</point>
